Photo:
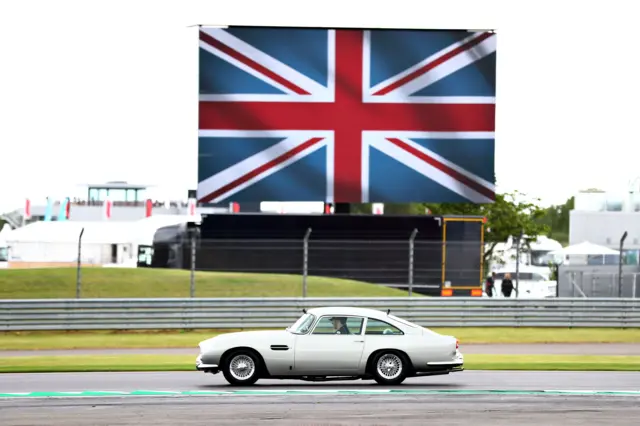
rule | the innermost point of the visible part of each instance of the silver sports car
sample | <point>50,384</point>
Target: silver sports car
<point>340,343</point>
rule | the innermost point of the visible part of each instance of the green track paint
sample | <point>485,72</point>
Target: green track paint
<point>84,394</point>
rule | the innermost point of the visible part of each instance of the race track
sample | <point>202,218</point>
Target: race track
<point>326,410</point>
<point>186,381</point>
<point>450,400</point>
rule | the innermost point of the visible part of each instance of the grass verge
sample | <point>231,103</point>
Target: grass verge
<point>95,363</point>
<point>48,283</point>
<point>186,339</point>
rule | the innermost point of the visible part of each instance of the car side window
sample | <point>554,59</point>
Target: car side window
<point>375,326</point>
<point>339,325</point>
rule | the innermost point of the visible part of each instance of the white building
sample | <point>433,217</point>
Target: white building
<point>603,217</point>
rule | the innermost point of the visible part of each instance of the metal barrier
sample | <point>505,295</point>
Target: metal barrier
<point>269,313</point>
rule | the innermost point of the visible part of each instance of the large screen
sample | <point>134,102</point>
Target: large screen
<point>346,115</point>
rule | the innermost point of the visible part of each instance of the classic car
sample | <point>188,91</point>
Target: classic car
<point>333,343</point>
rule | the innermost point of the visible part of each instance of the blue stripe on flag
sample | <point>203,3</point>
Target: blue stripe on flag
<point>218,76</point>
<point>393,51</point>
<point>474,155</point>
<point>217,154</point>
<point>476,79</point>
<point>392,182</point>
<point>304,180</point>
<point>304,50</point>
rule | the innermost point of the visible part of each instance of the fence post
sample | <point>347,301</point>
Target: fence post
<point>518,263</point>
<point>412,239</point>
<point>192,284</point>
<point>305,262</point>
<point>624,237</point>
<point>78,270</point>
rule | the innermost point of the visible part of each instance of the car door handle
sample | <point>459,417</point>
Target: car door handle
<point>358,341</point>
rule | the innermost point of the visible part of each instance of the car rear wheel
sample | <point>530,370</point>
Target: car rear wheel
<point>241,368</point>
<point>389,368</point>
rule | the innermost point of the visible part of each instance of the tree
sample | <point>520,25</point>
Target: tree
<point>557,219</point>
<point>389,208</point>
<point>507,216</point>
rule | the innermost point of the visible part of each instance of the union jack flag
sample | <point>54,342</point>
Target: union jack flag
<point>346,115</point>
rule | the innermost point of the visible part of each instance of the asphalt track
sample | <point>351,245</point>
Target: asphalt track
<point>186,381</point>
<point>501,349</point>
<point>461,407</point>
<point>326,410</point>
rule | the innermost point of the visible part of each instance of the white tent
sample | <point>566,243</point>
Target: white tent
<point>586,249</point>
<point>103,242</point>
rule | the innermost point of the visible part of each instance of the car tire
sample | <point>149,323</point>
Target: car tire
<point>241,368</point>
<point>389,368</point>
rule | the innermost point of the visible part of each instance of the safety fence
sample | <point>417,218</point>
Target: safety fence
<point>413,264</point>
<point>586,281</point>
<point>273,313</point>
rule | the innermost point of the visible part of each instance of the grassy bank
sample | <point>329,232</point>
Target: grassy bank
<point>187,363</point>
<point>47,283</point>
<point>179,339</point>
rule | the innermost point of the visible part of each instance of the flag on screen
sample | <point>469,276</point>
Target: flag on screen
<point>346,115</point>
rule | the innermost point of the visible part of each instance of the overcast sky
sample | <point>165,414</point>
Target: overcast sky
<point>92,91</point>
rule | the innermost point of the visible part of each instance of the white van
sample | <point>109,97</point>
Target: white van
<point>534,283</point>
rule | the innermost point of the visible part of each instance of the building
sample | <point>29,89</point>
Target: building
<point>118,220</point>
<point>602,218</point>
<point>57,243</point>
<point>113,201</point>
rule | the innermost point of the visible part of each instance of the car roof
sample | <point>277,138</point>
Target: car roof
<point>347,310</point>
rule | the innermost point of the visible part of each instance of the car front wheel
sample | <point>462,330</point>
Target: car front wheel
<point>241,368</point>
<point>389,368</point>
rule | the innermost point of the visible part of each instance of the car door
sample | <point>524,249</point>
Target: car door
<point>324,352</point>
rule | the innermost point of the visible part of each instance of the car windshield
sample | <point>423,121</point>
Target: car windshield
<point>303,324</point>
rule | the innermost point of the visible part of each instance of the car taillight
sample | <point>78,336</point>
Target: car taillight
<point>457,344</point>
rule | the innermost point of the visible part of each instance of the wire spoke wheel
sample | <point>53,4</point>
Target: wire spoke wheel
<point>242,367</point>
<point>389,366</point>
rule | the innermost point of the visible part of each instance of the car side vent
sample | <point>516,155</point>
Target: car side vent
<point>279,347</point>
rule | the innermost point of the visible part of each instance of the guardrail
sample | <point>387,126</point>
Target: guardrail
<point>269,313</point>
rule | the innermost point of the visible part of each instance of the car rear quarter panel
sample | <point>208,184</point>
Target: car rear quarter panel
<point>421,348</point>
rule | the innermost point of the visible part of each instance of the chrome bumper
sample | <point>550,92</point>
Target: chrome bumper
<point>458,359</point>
<point>205,367</point>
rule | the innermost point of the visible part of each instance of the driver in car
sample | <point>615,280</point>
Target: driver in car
<point>340,325</point>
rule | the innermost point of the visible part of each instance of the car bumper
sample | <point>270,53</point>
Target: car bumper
<point>456,364</point>
<point>209,368</point>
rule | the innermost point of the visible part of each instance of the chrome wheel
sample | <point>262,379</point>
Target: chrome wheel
<point>389,366</point>
<point>242,367</point>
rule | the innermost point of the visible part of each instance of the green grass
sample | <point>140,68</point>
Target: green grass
<point>47,283</point>
<point>180,339</point>
<point>186,363</point>
<point>552,362</point>
<point>543,335</point>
